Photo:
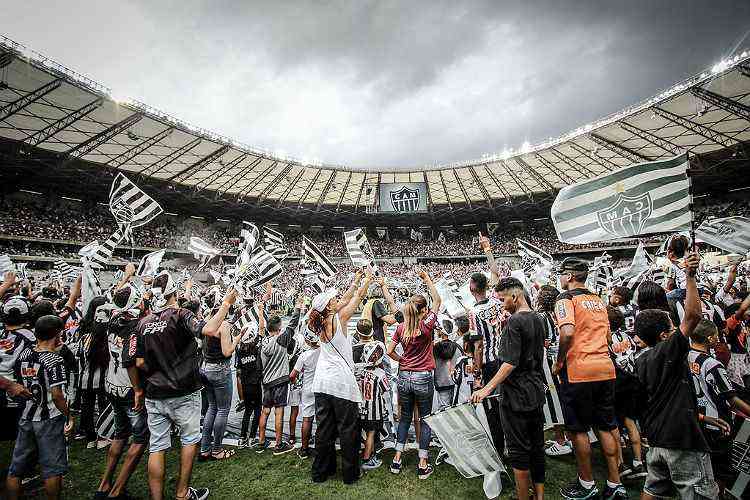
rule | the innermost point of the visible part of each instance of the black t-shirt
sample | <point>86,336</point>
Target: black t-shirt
<point>522,345</point>
<point>212,352</point>
<point>670,416</point>
<point>378,325</point>
<point>170,352</point>
<point>247,361</point>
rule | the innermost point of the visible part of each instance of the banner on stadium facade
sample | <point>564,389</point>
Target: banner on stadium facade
<point>402,197</point>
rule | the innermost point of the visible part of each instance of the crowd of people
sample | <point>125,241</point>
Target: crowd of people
<point>659,373</point>
<point>79,225</point>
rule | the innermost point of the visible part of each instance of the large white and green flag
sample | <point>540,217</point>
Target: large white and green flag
<point>645,198</point>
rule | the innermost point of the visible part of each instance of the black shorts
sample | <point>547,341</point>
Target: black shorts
<point>627,400</point>
<point>9,418</point>
<point>127,421</point>
<point>587,405</point>
<point>371,425</point>
<point>276,396</point>
<point>524,436</point>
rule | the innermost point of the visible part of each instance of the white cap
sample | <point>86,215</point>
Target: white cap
<point>320,301</point>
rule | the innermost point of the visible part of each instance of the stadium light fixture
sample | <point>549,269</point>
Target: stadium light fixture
<point>170,213</point>
<point>739,189</point>
<point>223,220</point>
<point>197,217</point>
<point>35,193</point>
<point>515,222</point>
<point>71,199</point>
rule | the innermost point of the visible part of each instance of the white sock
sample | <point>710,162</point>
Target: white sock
<point>612,485</point>
<point>586,484</point>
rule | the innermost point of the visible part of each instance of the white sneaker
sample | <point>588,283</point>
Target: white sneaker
<point>557,450</point>
<point>90,445</point>
<point>102,443</point>
<point>371,464</point>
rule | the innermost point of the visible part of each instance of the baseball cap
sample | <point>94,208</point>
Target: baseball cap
<point>16,302</point>
<point>573,264</point>
<point>320,301</point>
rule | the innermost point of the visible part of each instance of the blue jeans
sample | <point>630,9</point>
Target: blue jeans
<point>414,388</point>
<point>217,378</point>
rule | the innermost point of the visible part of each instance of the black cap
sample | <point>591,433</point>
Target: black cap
<point>573,264</point>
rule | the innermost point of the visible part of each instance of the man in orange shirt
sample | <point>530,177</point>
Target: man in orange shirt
<point>587,380</point>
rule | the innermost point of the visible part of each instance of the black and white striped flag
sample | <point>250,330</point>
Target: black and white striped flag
<point>740,461</point>
<point>645,198</point>
<point>256,269</point>
<point>528,251</point>
<point>315,261</point>
<point>273,243</point>
<point>250,317</point>
<point>359,249</point>
<point>104,252</point>
<point>249,236</point>
<point>21,271</point>
<point>105,424</point>
<point>202,250</point>
<point>149,264</point>
<point>66,270</point>
<point>469,446</point>
<point>5,264</point>
<point>731,234</point>
<point>130,206</point>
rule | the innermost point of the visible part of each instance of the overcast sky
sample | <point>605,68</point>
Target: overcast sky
<point>384,83</point>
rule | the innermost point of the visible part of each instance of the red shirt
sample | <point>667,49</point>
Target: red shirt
<point>418,355</point>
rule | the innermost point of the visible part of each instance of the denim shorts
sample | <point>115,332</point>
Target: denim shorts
<point>688,472</point>
<point>128,422</point>
<point>52,456</point>
<point>182,411</point>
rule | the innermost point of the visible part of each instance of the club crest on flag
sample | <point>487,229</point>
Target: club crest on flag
<point>626,216</point>
<point>724,230</point>
<point>122,212</point>
<point>405,199</point>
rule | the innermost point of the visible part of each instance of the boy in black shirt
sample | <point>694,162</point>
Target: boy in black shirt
<point>45,417</point>
<point>521,354</point>
<point>678,456</point>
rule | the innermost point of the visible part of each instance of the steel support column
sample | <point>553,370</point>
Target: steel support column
<point>652,139</point>
<point>66,121</point>
<point>361,189</point>
<point>203,184</point>
<point>696,128</point>
<point>595,158</point>
<point>720,101</point>
<point>567,160</point>
<point>481,187</point>
<point>544,183</point>
<point>251,184</point>
<point>521,185</point>
<point>461,186</point>
<point>323,193</point>
<point>744,69</point>
<point>234,178</point>
<point>500,187</point>
<point>87,146</point>
<point>139,148</point>
<point>312,183</point>
<point>289,189</point>
<point>5,58</point>
<point>564,177</point>
<point>447,194</point>
<point>14,107</point>
<point>343,191</point>
<point>429,193</point>
<point>187,172</point>
<point>628,153</point>
<point>267,190</point>
<point>160,164</point>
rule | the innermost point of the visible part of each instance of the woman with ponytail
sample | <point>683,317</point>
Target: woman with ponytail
<point>416,364</point>
<point>337,395</point>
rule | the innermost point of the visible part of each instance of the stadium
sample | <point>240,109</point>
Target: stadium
<point>66,141</point>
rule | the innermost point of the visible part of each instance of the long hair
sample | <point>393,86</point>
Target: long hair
<point>317,321</point>
<point>412,311</point>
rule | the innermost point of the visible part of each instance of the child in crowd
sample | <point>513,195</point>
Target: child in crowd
<point>373,383</point>
<point>446,353</point>
<point>274,353</point>
<point>249,377</point>
<point>463,373</point>
<point>627,391</point>
<point>45,418</point>
<point>304,372</point>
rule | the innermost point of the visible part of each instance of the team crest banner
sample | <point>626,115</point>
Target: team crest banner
<point>403,197</point>
<point>645,198</point>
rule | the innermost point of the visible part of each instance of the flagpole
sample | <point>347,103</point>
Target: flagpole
<point>691,204</point>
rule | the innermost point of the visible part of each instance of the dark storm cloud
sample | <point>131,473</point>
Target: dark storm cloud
<point>387,83</point>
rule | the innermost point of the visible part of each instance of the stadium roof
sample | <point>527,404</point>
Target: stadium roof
<point>77,125</point>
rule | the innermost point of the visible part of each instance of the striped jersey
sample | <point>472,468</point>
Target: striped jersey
<point>711,384</point>
<point>623,351</point>
<point>629,311</point>
<point>486,318</point>
<point>551,336</point>
<point>373,383</point>
<point>39,372</point>
<point>12,344</point>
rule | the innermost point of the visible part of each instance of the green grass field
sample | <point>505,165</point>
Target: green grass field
<point>248,475</point>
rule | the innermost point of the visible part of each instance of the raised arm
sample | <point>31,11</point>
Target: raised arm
<point>212,326</point>
<point>261,307</point>
<point>731,278</point>
<point>127,274</point>
<point>351,307</point>
<point>75,292</point>
<point>434,295</point>
<point>8,281</point>
<point>349,293</point>
<point>228,342</point>
<point>693,311</point>
<point>484,242</point>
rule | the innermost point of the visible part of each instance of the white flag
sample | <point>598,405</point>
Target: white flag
<point>359,249</point>
<point>150,263</point>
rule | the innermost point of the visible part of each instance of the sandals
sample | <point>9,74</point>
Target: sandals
<point>223,454</point>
